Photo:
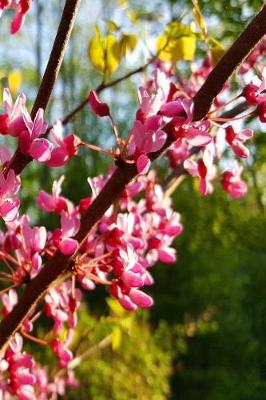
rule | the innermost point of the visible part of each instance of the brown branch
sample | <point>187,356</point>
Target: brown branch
<point>124,173</point>
<point>230,61</point>
<point>19,160</point>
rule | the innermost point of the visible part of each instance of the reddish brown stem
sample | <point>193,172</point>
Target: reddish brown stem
<point>19,160</point>
<point>124,173</point>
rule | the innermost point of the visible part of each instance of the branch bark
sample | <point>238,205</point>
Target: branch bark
<point>19,160</point>
<point>124,173</point>
<point>246,42</point>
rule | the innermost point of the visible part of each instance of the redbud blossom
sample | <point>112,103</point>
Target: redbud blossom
<point>99,108</point>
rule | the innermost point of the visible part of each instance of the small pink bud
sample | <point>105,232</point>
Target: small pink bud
<point>250,93</point>
<point>140,298</point>
<point>68,246</point>
<point>101,109</point>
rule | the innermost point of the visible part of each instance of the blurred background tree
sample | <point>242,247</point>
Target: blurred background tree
<point>205,336</point>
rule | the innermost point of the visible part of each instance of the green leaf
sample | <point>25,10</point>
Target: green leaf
<point>104,53</point>
<point>127,44</point>
<point>115,307</point>
<point>116,337</point>
<point>217,51</point>
<point>178,42</point>
<point>111,26</point>
<point>14,80</point>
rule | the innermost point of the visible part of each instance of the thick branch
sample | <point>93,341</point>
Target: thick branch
<point>19,160</point>
<point>230,61</point>
<point>123,174</point>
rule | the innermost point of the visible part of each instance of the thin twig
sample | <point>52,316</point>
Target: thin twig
<point>19,160</point>
<point>101,88</point>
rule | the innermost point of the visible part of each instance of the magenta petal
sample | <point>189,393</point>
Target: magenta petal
<point>101,109</point>
<point>245,134</point>
<point>45,201</point>
<point>172,108</point>
<point>148,279</point>
<point>240,149</point>
<point>132,279</point>
<point>203,186</point>
<point>167,255</point>
<point>237,190</point>
<point>153,123</point>
<point>196,137</point>
<point>26,392</point>
<point>68,246</point>
<point>40,149</point>
<point>17,23</point>
<point>58,158</point>
<point>191,167</point>
<point>159,139</point>
<point>24,377</point>
<point>125,301</point>
<point>140,298</point>
<point>9,209</point>
<point>143,164</point>
<point>138,134</point>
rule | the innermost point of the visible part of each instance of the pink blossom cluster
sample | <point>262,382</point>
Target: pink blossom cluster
<point>125,245</point>
<point>119,253</point>
<point>20,374</point>
<point>172,104</point>
<point>17,122</point>
<point>167,106</point>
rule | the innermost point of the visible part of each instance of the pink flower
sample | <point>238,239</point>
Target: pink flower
<point>69,227</point>
<point>33,241</point>
<point>63,353</point>
<point>178,152</point>
<point>99,108</point>
<point>256,94</point>
<point>181,109</point>
<point>199,169</point>
<point>61,306</point>
<point>23,7</point>
<point>140,298</point>
<point>66,147</point>
<point>54,202</point>
<point>131,299</point>
<point>233,184</point>
<point>30,142</point>
<point>9,299</point>
<point>12,122</point>
<point>146,138</point>
<point>9,203</point>
<point>237,141</point>
<point>181,113</point>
